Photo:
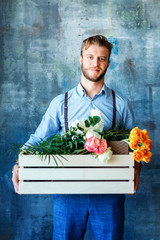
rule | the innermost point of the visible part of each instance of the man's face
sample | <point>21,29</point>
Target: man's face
<point>94,63</point>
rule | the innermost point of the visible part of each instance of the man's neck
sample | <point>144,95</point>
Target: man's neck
<point>92,88</point>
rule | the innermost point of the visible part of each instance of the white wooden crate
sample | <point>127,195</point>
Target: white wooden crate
<point>81,174</point>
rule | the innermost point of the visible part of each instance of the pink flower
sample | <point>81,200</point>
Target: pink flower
<point>98,146</point>
<point>92,143</point>
<point>103,146</point>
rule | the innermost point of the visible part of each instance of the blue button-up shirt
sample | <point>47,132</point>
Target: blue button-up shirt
<point>79,107</point>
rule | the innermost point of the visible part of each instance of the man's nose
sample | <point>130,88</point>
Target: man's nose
<point>96,62</point>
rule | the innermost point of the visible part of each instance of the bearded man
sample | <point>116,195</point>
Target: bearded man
<point>105,211</point>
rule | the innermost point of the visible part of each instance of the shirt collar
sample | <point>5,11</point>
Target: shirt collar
<point>103,90</point>
<point>82,92</point>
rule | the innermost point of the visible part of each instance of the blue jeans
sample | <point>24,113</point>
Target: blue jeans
<point>105,211</point>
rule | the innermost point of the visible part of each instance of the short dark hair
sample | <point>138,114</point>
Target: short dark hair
<point>98,40</point>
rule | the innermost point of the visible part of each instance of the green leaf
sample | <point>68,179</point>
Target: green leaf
<point>96,119</point>
<point>70,144</point>
<point>87,123</point>
<point>90,118</point>
<point>81,129</point>
<point>76,144</point>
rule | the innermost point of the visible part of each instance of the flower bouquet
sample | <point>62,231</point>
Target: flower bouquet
<point>84,137</point>
<point>90,166</point>
<point>88,137</point>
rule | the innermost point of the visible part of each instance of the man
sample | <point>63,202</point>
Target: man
<point>71,212</point>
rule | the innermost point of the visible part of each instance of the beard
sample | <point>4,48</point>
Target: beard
<point>90,78</point>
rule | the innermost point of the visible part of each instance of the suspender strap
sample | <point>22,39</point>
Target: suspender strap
<point>66,112</point>
<point>114,110</point>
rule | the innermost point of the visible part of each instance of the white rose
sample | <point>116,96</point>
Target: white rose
<point>74,124</point>
<point>99,126</point>
<point>106,156</point>
<point>91,133</point>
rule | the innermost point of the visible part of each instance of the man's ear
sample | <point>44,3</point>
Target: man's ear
<point>108,63</point>
<point>80,59</point>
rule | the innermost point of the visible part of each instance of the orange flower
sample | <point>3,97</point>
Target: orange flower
<point>135,134</point>
<point>144,150</point>
<point>142,154</point>
<point>133,145</point>
<point>138,155</point>
<point>149,144</point>
<point>144,136</point>
<point>147,156</point>
<point>147,159</point>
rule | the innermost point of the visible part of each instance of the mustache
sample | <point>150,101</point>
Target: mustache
<point>94,68</point>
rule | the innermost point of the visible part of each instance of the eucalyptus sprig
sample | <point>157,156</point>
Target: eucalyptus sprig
<point>92,121</point>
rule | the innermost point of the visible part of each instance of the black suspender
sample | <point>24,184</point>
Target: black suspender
<point>66,111</point>
<point>114,109</point>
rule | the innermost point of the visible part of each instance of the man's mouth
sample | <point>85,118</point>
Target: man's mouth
<point>95,69</point>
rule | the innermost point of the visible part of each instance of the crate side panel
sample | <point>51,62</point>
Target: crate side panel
<point>76,187</point>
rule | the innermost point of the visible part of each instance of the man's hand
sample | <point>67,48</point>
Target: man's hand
<point>136,175</point>
<point>15,174</point>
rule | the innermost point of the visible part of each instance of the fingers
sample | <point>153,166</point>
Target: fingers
<point>15,174</point>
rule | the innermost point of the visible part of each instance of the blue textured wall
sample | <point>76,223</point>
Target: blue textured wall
<point>39,49</point>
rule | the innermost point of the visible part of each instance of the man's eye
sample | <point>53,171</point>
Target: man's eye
<point>90,57</point>
<point>102,59</point>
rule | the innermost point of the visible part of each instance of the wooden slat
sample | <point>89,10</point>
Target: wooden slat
<point>76,160</point>
<point>76,187</point>
<point>76,173</point>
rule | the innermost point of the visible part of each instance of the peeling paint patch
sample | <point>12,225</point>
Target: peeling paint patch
<point>115,43</point>
<point>134,15</point>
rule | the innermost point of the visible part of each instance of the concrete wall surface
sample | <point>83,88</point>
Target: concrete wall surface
<point>39,59</point>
